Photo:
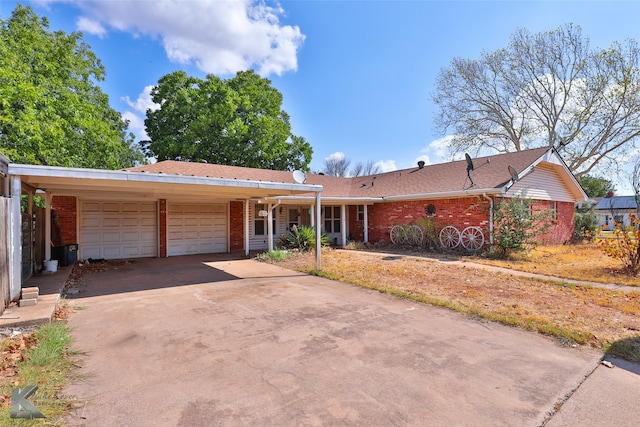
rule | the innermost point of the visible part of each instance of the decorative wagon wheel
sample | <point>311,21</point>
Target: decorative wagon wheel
<point>449,237</point>
<point>414,235</point>
<point>398,235</point>
<point>472,238</point>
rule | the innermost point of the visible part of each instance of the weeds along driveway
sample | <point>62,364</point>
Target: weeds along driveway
<point>205,340</point>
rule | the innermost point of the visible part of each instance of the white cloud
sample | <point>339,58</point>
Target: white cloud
<point>90,26</point>
<point>338,155</point>
<point>439,147</point>
<point>144,102</point>
<point>424,158</point>
<point>136,125</point>
<point>218,36</point>
<point>387,165</point>
<point>140,107</point>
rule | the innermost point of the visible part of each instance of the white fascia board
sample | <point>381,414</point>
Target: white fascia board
<point>444,195</point>
<point>342,200</point>
<point>127,176</point>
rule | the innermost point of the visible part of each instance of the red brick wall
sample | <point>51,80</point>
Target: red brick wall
<point>355,227</point>
<point>64,220</point>
<point>460,213</point>
<point>562,229</point>
<point>162,208</point>
<point>236,225</point>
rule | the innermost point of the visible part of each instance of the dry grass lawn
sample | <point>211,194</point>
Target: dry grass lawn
<point>575,315</point>
<point>579,262</point>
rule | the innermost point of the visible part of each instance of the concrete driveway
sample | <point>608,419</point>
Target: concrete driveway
<point>208,340</point>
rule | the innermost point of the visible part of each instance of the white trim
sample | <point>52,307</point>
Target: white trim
<point>15,231</point>
<point>142,177</point>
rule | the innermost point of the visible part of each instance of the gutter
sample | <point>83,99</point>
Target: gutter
<point>126,176</point>
<point>445,195</point>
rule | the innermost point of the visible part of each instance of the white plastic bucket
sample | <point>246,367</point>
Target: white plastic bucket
<point>51,266</point>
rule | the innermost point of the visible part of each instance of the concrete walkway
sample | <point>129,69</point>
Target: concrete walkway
<point>205,341</point>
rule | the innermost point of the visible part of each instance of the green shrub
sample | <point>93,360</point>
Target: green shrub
<point>302,238</point>
<point>516,227</point>
<point>275,255</point>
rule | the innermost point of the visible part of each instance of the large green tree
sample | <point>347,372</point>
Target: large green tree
<point>51,110</point>
<point>545,89</point>
<point>596,186</point>
<point>237,122</point>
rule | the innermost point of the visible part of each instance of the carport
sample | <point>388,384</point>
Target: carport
<point>139,202</point>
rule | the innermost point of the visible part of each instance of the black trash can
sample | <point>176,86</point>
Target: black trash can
<point>66,255</point>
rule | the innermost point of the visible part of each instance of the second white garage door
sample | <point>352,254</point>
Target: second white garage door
<point>196,228</point>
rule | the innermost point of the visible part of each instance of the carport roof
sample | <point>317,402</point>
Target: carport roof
<point>127,183</point>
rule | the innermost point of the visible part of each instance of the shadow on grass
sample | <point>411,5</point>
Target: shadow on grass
<point>627,349</point>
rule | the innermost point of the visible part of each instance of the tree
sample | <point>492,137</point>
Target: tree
<point>596,186</point>
<point>545,89</point>
<point>516,226</point>
<point>336,165</point>
<point>236,122</point>
<point>51,110</point>
<point>364,169</point>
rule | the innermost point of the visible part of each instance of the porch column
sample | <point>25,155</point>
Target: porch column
<point>313,219</point>
<point>246,227</point>
<point>270,228</point>
<point>15,246</point>
<point>47,226</point>
<point>318,233</point>
<point>343,225</point>
<point>366,224</point>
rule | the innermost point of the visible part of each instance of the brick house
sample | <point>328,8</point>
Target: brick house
<point>175,208</point>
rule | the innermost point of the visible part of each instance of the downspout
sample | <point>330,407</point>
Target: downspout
<point>490,219</point>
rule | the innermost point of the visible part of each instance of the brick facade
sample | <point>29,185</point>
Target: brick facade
<point>563,224</point>
<point>356,227</point>
<point>460,213</point>
<point>236,225</point>
<point>64,217</point>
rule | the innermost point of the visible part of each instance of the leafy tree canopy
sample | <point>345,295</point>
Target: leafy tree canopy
<point>595,186</point>
<point>545,89</point>
<point>235,122</point>
<point>51,110</point>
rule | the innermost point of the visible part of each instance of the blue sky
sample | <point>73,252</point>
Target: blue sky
<point>356,76</point>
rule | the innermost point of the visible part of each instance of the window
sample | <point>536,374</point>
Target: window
<point>360,212</point>
<point>332,219</point>
<point>554,211</point>
<point>260,222</point>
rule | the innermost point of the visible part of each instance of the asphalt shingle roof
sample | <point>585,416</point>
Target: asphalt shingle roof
<point>490,172</point>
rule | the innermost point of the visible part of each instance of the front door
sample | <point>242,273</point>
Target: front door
<point>293,218</point>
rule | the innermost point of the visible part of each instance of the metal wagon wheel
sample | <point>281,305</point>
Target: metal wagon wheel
<point>414,235</point>
<point>398,235</point>
<point>450,237</point>
<point>472,238</point>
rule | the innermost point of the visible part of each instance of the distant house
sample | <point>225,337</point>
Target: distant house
<point>616,210</point>
<point>175,208</point>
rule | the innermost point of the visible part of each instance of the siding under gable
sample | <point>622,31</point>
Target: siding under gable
<point>542,184</point>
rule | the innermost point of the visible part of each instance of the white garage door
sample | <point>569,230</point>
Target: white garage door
<point>196,228</point>
<point>114,230</point>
